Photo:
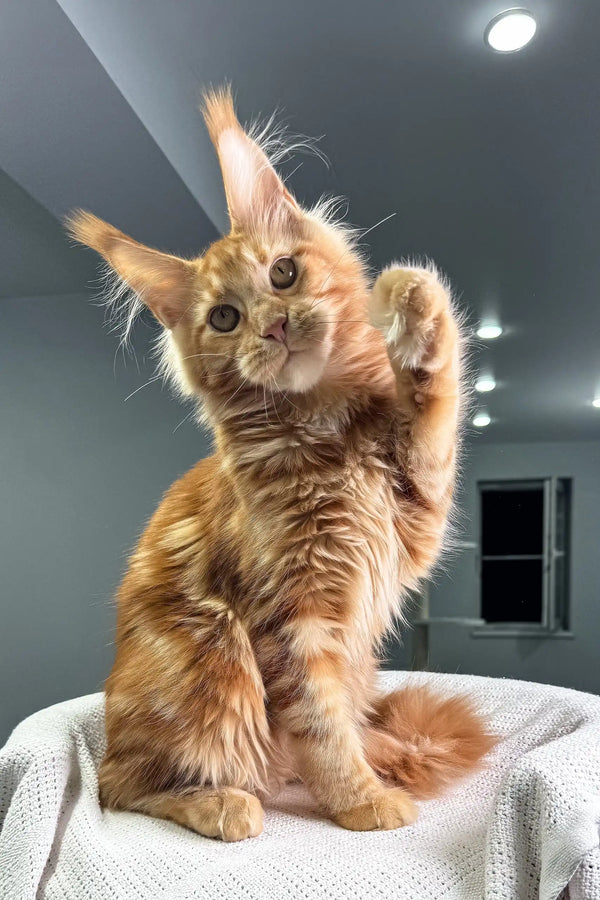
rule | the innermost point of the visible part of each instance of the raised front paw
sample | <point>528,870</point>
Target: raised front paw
<point>408,305</point>
<point>389,809</point>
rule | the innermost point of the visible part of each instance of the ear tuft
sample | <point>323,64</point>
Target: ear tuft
<point>256,196</point>
<point>219,112</point>
<point>161,281</point>
<point>88,229</point>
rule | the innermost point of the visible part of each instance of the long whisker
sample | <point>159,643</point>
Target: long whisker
<point>150,381</point>
<point>327,277</point>
<point>364,234</point>
<point>194,355</point>
<point>225,372</point>
<point>377,224</point>
<point>293,172</point>
<point>341,321</point>
<point>283,394</point>
<point>237,390</point>
<point>161,377</point>
<point>272,378</point>
<point>185,419</point>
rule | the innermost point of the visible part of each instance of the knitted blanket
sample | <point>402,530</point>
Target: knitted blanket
<point>526,827</point>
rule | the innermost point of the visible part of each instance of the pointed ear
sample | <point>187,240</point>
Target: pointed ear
<point>162,282</point>
<point>254,191</point>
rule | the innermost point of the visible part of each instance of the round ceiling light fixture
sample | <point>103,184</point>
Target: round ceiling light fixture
<point>489,332</point>
<point>511,30</point>
<point>481,420</point>
<point>485,384</point>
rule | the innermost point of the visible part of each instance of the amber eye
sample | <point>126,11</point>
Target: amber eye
<point>224,317</point>
<point>283,272</point>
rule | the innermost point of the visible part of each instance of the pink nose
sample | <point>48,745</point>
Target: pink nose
<point>276,329</point>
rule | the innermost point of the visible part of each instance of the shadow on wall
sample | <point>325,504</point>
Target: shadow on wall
<point>83,471</point>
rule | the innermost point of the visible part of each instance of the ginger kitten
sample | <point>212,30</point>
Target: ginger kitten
<point>253,606</point>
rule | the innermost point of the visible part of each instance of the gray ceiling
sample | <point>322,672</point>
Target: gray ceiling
<point>489,161</point>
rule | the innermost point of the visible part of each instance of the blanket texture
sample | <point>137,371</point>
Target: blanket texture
<point>527,827</point>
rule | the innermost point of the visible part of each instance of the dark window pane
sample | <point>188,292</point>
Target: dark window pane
<point>511,590</point>
<point>512,522</point>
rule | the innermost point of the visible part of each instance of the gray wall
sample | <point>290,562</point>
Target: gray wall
<point>570,662</point>
<point>81,471</point>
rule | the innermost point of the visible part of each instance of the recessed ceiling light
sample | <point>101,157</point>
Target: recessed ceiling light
<point>484,384</point>
<point>489,332</point>
<point>596,402</point>
<point>510,31</point>
<point>481,420</point>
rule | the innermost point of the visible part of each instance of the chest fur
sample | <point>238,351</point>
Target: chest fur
<point>318,515</point>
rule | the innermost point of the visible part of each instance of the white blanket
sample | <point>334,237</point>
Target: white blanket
<point>525,828</point>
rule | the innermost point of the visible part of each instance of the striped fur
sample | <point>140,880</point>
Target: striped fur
<point>252,610</point>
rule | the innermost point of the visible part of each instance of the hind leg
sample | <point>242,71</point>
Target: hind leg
<point>188,737</point>
<point>424,741</point>
<point>312,705</point>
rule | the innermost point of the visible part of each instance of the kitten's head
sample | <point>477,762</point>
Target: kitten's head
<point>262,307</point>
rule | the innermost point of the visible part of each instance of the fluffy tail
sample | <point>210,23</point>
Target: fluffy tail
<point>425,742</point>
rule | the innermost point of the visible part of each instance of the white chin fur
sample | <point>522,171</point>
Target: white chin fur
<point>303,370</point>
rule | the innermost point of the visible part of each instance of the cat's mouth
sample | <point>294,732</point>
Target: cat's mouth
<point>302,366</point>
<point>296,352</point>
<point>276,362</point>
<point>294,364</point>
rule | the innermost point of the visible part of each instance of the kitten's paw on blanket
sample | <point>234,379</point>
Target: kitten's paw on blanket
<point>230,814</point>
<point>390,809</point>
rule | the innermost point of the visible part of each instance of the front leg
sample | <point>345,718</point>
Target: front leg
<point>312,704</point>
<point>412,308</point>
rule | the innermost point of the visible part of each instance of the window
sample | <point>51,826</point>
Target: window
<point>523,569</point>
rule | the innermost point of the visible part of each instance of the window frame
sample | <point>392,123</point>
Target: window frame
<point>554,620</point>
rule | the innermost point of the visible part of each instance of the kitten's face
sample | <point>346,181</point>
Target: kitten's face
<point>263,315</point>
<point>264,306</point>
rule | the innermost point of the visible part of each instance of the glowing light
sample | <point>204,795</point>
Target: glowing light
<point>596,402</point>
<point>484,384</point>
<point>510,31</point>
<point>481,420</point>
<point>489,332</point>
